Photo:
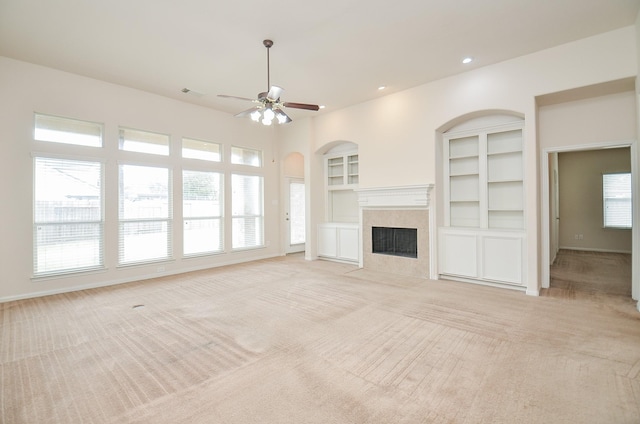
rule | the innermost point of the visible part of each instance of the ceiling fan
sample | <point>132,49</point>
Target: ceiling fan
<point>269,106</point>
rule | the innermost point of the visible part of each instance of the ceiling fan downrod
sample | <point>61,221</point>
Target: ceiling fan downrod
<point>268,44</point>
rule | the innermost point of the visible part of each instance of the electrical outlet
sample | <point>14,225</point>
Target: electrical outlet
<point>580,237</point>
<point>575,237</point>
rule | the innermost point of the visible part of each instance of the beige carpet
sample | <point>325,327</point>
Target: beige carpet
<point>585,271</point>
<point>290,341</point>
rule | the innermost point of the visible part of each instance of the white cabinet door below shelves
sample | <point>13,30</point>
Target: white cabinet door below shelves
<point>348,244</point>
<point>339,241</point>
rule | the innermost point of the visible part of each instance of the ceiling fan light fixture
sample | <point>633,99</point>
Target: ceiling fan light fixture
<point>269,114</point>
<point>255,115</point>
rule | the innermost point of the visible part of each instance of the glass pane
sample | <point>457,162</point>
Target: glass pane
<point>246,207</point>
<point>296,213</point>
<point>202,236</point>
<point>246,196</point>
<point>67,190</point>
<point>68,227</point>
<point>247,232</point>
<point>144,142</point>
<point>144,241</point>
<point>144,192</point>
<point>203,150</point>
<point>616,189</point>
<point>201,193</point>
<point>242,156</point>
<point>70,131</point>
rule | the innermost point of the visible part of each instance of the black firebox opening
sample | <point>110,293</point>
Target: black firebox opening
<point>395,241</point>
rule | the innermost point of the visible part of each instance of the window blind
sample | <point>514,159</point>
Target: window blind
<point>144,214</point>
<point>247,211</point>
<point>616,189</point>
<point>68,223</point>
<point>202,211</point>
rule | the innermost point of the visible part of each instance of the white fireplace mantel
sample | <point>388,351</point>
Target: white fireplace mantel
<point>395,197</point>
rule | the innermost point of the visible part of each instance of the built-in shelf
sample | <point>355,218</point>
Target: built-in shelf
<point>485,172</point>
<point>482,239</point>
<point>338,237</point>
<point>342,171</point>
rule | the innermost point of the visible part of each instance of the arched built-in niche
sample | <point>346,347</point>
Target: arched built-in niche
<point>481,213</point>
<point>339,233</point>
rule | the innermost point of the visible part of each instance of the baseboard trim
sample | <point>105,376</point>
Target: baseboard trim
<point>115,282</point>
<point>588,249</point>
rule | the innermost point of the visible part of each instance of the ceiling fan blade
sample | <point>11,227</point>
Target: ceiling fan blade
<point>282,117</point>
<point>274,93</point>
<point>235,97</point>
<point>247,112</point>
<point>301,106</point>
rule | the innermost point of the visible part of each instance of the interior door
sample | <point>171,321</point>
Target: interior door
<point>295,216</point>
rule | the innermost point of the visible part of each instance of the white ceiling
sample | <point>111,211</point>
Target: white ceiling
<point>331,52</point>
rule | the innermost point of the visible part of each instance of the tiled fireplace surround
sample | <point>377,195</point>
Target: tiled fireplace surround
<point>396,207</point>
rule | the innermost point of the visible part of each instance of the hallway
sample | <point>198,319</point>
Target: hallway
<point>594,272</point>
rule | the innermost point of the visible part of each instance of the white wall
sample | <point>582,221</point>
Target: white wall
<point>25,89</point>
<point>397,134</point>
<point>588,120</point>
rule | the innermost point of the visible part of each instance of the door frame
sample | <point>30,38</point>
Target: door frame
<point>545,273</point>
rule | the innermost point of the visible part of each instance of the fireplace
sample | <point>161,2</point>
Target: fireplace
<point>395,230</point>
<point>395,241</point>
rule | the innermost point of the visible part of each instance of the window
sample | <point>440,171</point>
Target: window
<point>70,131</point>
<point>203,150</point>
<point>202,210</point>
<point>144,142</point>
<point>247,211</point>
<point>68,223</point>
<point>145,214</point>
<point>616,194</point>
<point>242,156</point>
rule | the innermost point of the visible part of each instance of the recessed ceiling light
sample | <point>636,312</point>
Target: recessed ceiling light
<point>467,60</point>
<point>382,87</point>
